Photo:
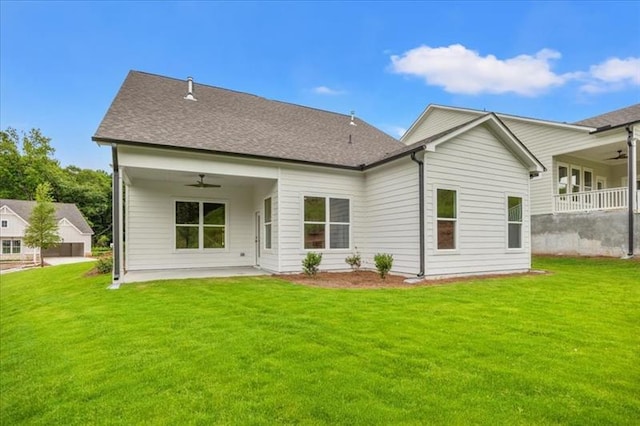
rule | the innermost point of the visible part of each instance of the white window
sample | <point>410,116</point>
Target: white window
<point>267,223</point>
<point>327,223</point>
<point>11,246</point>
<point>447,219</point>
<point>575,179</point>
<point>200,225</point>
<point>514,222</point>
<point>4,224</point>
<point>601,182</point>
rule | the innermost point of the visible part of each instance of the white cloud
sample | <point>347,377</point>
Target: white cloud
<point>324,90</point>
<point>611,75</point>
<point>463,71</point>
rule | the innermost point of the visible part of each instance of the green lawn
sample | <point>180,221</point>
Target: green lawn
<point>562,348</point>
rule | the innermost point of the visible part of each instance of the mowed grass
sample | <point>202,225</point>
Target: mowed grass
<point>561,348</point>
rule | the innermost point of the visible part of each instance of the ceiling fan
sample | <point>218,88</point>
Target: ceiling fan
<point>201,184</point>
<point>620,156</point>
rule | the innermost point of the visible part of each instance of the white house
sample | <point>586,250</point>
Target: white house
<point>585,204</point>
<point>217,178</point>
<point>72,228</point>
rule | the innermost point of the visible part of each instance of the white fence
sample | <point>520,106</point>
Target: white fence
<point>603,199</point>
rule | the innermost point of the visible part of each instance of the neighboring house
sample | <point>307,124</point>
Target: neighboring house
<point>281,180</point>
<point>72,228</point>
<point>582,205</point>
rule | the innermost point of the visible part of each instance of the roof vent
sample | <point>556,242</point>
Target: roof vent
<point>353,116</point>
<point>190,96</point>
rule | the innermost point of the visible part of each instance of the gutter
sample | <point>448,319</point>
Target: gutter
<point>116,198</point>
<point>632,177</point>
<point>421,201</point>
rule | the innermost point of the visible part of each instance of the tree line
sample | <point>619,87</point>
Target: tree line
<point>27,160</point>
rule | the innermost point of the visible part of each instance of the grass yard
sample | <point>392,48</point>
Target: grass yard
<point>562,348</point>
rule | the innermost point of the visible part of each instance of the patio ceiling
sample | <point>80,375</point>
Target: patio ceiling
<point>188,177</point>
<point>600,154</point>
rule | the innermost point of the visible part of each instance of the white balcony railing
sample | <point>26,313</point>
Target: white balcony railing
<point>603,199</point>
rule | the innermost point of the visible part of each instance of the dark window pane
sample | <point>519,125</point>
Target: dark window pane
<point>313,236</point>
<point>267,210</point>
<point>267,236</point>
<point>16,246</point>
<point>314,209</point>
<point>213,214</point>
<point>6,247</point>
<point>446,235</point>
<point>338,210</point>
<point>187,212</point>
<point>339,236</point>
<point>515,235</point>
<point>515,209</point>
<point>446,204</point>
<point>186,237</point>
<point>213,237</point>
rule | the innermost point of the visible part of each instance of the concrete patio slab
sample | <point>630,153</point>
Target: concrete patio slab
<point>170,274</point>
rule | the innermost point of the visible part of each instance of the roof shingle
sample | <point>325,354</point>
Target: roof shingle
<point>615,118</point>
<point>151,109</point>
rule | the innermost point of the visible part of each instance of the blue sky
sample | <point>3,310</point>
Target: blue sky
<point>62,63</point>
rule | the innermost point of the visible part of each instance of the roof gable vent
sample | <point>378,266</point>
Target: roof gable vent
<point>190,96</point>
<point>353,117</point>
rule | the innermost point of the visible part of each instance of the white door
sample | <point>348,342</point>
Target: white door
<point>258,238</point>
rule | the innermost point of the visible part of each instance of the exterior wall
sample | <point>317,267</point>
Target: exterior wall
<point>585,234</point>
<point>70,234</point>
<point>268,257</point>
<point>294,184</point>
<point>393,215</point>
<point>438,120</point>
<point>150,227</point>
<point>483,172</point>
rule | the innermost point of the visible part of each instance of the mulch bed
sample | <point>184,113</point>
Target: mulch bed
<point>370,279</point>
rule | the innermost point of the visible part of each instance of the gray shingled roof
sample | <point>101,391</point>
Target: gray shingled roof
<point>151,109</point>
<point>63,210</point>
<point>615,118</point>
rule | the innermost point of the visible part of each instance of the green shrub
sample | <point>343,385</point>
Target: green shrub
<point>311,263</point>
<point>384,262</point>
<point>100,251</point>
<point>104,265</point>
<point>103,241</point>
<point>354,261</point>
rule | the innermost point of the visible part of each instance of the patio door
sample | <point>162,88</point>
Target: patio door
<point>258,238</point>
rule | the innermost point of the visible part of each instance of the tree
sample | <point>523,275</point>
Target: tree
<point>42,231</point>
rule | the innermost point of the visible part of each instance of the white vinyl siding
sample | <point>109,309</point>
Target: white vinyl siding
<point>294,185</point>
<point>438,121</point>
<point>150,242</point>
<point>483,170</point>
<point>392,214</point>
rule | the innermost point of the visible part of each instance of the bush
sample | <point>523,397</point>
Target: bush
<point>384,262</point>
<point>354,261</point>
<point>100,251</point>
<point>103,241</point>
<point>311,263</point>
<point>104,265</point>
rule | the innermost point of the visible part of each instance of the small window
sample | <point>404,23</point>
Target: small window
<point>587,178</point>
<point>11,246</point>
<point>267,223</point>
<point>4,224</point>
<point>200,225</point>
<point>447,218</point>
<point>326,220</point>
<point>514,222</point>
<point>575,179</point>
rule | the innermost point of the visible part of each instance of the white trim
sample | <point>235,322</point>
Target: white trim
<point>584,180</point>
<point>200,225</point>
<point>602,179</point>
<point>456,229</point>
<point>327,223</point>
<point>508,222</point>
<point>431,107</point>
<point>557,177</point>
<point>515,146</point>
<point>7,210</point>
<point>264,224</point>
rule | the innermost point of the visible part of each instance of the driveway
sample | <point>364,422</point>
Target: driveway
<point>54,261</point>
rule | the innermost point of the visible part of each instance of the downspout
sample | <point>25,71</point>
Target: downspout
<point>116,198</point>
<point>631,162</point>
<point>421,201</point>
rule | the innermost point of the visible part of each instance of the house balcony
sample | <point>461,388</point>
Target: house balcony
<point>597,200</point>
